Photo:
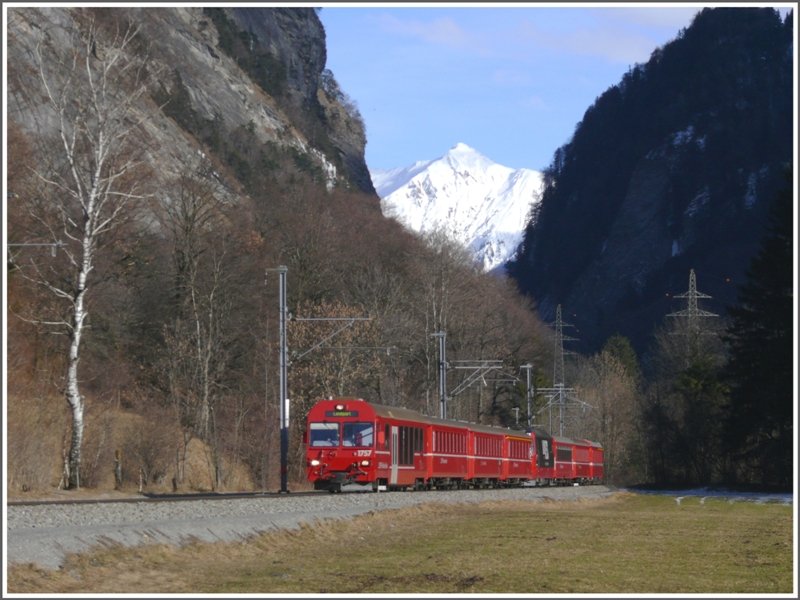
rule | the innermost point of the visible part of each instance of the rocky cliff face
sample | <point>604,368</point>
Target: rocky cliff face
<point>672,169</point>
<point>256,69</point>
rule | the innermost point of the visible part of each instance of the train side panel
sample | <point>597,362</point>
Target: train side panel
<point>487,467</point>
<point>449,455</point>
<point>517,463</point>
<point>582,461</point>
<point>598,468</point>
<point>564,470</point>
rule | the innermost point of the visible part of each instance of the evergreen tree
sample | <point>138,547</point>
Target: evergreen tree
<point>684,405</point>
<point>759,427</point>
<point>621,348</point>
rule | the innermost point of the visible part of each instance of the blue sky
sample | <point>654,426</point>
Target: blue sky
<point>511,81</point>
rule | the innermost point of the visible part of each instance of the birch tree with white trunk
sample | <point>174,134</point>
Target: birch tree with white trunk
<point>92,181</point>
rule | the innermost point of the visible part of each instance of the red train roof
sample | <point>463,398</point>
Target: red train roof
<point>406,414</point>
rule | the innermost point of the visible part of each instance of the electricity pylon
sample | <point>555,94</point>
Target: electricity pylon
<point>692,312</point>
<point>559,395</point>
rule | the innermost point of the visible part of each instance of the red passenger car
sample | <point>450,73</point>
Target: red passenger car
<point>577,461</point>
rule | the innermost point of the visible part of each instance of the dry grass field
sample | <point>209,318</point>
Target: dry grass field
<point>624,544</point>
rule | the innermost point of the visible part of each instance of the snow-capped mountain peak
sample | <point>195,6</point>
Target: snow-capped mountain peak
<point>476,201</point>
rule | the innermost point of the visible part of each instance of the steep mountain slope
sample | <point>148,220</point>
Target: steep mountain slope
<point>232,79</point>
<point>477,202</point>
<point>672,169</point>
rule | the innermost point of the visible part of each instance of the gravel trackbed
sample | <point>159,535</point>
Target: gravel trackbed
<point>45,534</point>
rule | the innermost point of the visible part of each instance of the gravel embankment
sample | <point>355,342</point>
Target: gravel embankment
<point>46,534</point>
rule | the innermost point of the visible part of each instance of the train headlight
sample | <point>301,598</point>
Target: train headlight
<point>314,462</point>
<point>364,463</point>
<point>340,407</point>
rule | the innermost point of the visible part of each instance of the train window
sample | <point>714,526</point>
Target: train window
<point>323,434</point>
<point>410,442</point>
<point>357,434</point>
<point>386,437</point>
<point>564,454</point>
<point>514,449</point>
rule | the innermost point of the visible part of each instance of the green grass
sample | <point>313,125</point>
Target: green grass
<point>625,544</point>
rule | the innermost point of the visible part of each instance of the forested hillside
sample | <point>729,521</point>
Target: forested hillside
<point>170,158</point>
<point>684,166</point>
<point>673,168</point>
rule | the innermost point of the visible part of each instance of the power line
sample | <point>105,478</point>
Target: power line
<point>53,246</point>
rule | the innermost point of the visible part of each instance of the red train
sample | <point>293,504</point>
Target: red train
<point>349,440</point>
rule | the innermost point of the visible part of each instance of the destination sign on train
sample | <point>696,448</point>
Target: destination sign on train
<point>341,413</point>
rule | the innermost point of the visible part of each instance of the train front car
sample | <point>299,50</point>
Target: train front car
<point>341,444</point>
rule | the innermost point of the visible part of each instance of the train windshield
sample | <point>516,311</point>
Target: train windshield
<point>358,434</point>
<point>324,434</point>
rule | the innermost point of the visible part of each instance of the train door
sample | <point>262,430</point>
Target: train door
<point>395,456</point>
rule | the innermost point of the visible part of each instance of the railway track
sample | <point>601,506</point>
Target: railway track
<point>45,533</point>
<point>196,496</point>
<point>162,498</point>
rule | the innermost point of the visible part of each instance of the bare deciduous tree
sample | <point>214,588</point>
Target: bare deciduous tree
<point>607,385</point>
<point>90,183</point>
<point>193,219</point>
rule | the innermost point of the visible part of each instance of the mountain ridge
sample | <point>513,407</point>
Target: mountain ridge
<point>672,169</point>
